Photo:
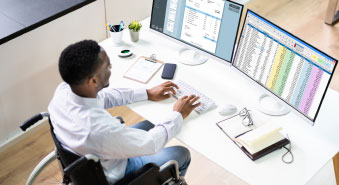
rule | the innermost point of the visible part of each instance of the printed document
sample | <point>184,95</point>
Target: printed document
<point>143,70</point>
<point>201,23</point>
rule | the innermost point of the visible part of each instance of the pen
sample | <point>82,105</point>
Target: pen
<point>113,29</point>
<point>242,133</point>
<point>121,25</point>
<point>107,27</point>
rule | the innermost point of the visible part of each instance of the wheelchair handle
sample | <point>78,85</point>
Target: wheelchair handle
<point>79,162</point>
<point>31,121</point>
<point>120,118</point>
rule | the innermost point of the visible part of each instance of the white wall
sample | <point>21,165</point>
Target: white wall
<point>29,72</point>
<point>128,10</point>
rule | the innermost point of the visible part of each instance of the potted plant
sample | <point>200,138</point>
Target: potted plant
<point>134,28</point>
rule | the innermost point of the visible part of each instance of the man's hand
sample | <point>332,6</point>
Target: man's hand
<point>162,91</point>
<point>185,105</point>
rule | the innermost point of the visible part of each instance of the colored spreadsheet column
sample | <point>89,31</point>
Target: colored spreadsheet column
<point>284,72</point>
<point>296,68</point>
<point>302,83</point>
<point>278,60</point>
<point>311,89</point>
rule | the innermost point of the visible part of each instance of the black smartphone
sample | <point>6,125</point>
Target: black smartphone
<point>168,71</point>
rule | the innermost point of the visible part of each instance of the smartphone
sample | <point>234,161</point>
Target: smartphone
<point>168,71</point>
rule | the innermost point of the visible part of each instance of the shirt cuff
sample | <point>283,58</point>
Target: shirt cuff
<point>178,117</point>
<point>140,94</point>
<point>172,124</point>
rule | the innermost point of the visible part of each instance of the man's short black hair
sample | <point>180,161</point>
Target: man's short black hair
<point>79,61</point>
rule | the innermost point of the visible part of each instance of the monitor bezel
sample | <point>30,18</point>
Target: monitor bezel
<point>273,95</point>
<point>195,48</point>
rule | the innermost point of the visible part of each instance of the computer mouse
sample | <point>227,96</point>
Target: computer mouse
<point>226,109</point>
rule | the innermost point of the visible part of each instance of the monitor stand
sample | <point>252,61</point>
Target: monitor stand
<point>270,106</point>
<point>190,57</point>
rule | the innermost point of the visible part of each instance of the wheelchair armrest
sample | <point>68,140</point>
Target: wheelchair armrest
<point>144,174</point>
<point>79,162</point>
<point>120,118</point>
<point>170,167</point>
<point>151,174</point>
<point>173,164</point>
<point>31,121</point>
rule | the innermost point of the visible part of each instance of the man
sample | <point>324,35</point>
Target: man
<point>83,126</point>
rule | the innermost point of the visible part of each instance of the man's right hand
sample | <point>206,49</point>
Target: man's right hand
<point>185,105</point>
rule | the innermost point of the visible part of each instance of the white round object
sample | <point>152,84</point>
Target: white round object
<point>270,106</point>
<point>192,58</point>
<point>125,53</point>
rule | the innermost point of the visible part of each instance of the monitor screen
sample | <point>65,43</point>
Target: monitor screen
<point>208,25</point>
<point>286,66</point>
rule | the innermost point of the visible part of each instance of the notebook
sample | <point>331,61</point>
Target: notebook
<point>254,141</point>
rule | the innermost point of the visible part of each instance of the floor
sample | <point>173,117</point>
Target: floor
<point>303,18</point>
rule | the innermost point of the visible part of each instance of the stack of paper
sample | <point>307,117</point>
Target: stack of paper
<point>260,138</point>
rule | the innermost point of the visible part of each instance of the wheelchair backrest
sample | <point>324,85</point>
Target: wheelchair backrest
<point>88,174</point>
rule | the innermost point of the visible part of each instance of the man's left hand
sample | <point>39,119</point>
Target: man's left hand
<point>162,91</point>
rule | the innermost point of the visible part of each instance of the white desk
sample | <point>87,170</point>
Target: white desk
<point>312,146</point>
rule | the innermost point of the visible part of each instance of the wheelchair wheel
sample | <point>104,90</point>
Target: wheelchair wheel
<point>46,172</point>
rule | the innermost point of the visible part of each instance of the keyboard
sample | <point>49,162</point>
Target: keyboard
<point>186,90</point>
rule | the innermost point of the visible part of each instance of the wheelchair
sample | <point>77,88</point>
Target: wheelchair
<point>87,170</point>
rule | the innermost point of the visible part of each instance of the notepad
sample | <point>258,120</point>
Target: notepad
<point>143,69</point>
<point>260,138</point>
<point>254,141</point>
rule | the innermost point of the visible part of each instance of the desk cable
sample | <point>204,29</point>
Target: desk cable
<point>289,148</point>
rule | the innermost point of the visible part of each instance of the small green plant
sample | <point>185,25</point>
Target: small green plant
<point>135,26</point>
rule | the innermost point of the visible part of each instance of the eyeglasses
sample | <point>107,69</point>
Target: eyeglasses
<point>247,120</point>
<point>244,113</point>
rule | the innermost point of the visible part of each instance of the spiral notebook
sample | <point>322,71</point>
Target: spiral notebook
<point>254,141</point>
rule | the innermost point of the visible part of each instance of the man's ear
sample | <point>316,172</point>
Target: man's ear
<point>93,81</point>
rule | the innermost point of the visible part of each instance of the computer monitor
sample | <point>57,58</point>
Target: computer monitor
<point>208,28</point>
<point>292,71</point>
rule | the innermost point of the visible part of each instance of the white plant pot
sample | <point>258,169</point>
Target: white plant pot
<point>134,35</point>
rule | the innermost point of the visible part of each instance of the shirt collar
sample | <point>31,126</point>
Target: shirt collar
<point>90,102</point>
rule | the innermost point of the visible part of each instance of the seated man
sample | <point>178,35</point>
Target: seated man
<point>83,126</point>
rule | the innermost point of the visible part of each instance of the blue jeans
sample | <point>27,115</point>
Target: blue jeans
<point>178,153</point>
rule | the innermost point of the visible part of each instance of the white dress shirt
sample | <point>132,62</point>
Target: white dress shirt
<point>83,126</point>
